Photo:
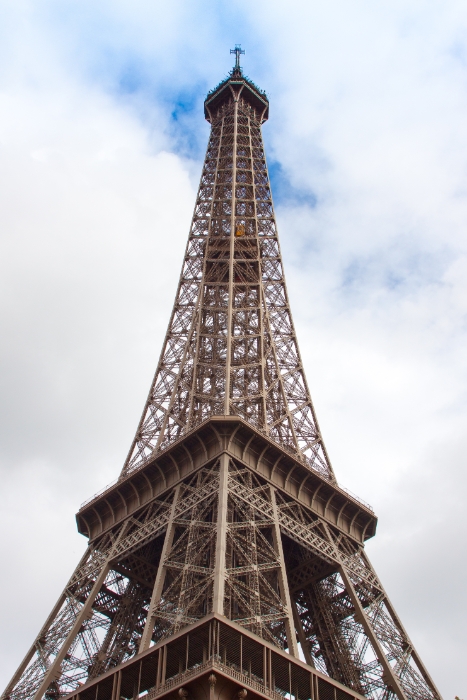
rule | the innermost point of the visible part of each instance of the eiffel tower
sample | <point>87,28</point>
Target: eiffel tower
<point>226,561</point>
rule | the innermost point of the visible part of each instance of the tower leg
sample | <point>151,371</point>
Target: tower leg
<point>221,537</point>
<point>160,577</point>
<point>388,676</point>
<point>54,669</point>
<point>397,622</point>
<point>283,585</point>
<point>34,648</point>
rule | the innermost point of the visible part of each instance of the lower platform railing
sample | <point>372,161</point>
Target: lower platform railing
<point>213,645</point>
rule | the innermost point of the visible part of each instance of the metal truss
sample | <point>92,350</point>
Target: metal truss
<point>228,533</point>
<point>256,593</point>
<point>349,626</point>
<point>231,346</point>
<point>215,542</point>
<point>250,573</point>
<point>100,616</point>
<point>155,574</point>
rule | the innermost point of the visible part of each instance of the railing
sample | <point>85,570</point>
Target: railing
<point>298,456</point>
<point>110,486</point>
<point>227,78</point>
<point>212,664</point>
<point>356,498</point>
<point>244,679</point>
<point>179,678</point>
<point>98,494</point>
<point>213,644</point>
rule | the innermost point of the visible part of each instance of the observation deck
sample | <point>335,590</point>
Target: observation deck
<point>252,449</point>
<point>232,87</point>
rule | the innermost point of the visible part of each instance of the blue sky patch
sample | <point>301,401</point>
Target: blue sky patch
<point>284,192</point>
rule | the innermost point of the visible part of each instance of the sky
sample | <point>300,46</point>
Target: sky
<point>102,138</point>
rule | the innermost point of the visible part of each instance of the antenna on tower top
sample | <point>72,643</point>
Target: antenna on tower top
<point>238,51</point>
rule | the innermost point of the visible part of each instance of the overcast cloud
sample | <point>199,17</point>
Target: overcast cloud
<point>102,138</point>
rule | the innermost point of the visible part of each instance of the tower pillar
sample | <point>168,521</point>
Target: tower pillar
<point>221,537</point>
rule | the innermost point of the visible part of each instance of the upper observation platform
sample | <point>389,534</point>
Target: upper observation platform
<point>236,85</point>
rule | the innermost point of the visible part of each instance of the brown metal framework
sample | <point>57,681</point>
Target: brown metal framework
<point>227,508</point>
<point>231,346</point>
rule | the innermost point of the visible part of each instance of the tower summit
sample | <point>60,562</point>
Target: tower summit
<point>226,551</point>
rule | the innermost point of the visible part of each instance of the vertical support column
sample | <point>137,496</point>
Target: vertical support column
<point>160,576</point>
<point>314,687</point>
<point>261,308</point>
<point>221,537</point>
<point>270,671</point>
<point>164,664</point>
<point>301,636</point>
<point>283,583</point>
<point>114,685</point>
<point>212,680</point>
<point>231,265</point>
<point>117,684</point>
<point>389,677</point>
<point>159,668</point>
<point>197,314</point>
<point>137,684</point>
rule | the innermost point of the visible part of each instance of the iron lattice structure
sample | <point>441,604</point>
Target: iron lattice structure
<point>231,346</point>
<point>227,508</point>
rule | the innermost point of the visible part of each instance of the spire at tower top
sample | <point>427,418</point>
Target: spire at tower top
<point>238,51</point>
<point>232,86</point>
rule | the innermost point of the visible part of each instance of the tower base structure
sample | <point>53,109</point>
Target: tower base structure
<point>214,659</point>
<point>208,570</point>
